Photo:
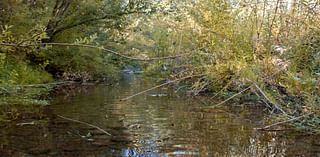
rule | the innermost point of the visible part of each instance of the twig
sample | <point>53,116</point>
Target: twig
<point>27,123</point>
<point>266,97</point>
<point>158,86</point>
<point>96,47</point>
<point>179,88</point>
<point>220,110</point>
<point>282,122</point>
<point>275,13</point>
<point>77,121</point>
<point>231,97</point>
<point>5,90</point>
<point>197,91</point>
<point>246,89</point>
<point>225,87</point>
<point>267,104</point>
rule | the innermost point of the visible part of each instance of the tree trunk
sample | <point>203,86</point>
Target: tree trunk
<point>59,10</point>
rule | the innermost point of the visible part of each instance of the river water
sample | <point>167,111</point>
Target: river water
<point>157,123</point>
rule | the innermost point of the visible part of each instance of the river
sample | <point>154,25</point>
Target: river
<point>157,123</point>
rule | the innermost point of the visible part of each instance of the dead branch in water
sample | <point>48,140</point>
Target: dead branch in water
<point>85,123</point>
<point>266,79</point>
<point>266,97</point>
<point>96,47</point>
<point>283,122</point>
<point>224,88</point>
<point>231,97</point>
<point>158,86</point>
<point>264,101</point>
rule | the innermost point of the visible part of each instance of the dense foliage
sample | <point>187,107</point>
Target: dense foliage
<point>265,49</point>
<point>100,23</point>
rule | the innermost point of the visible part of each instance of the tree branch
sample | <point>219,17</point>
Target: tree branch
<point>158,86</point>
<point>58,12</point>
<point>231,97</point>
<point>96,47</point>
<point>87,21</point>
<point>266,97</point>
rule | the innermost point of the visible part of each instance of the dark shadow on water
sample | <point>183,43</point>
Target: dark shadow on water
<point>158,123</point>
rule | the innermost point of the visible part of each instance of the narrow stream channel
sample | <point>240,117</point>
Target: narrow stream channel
<point>157,123</point>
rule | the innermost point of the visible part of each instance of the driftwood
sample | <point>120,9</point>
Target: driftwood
<point>85,123</point>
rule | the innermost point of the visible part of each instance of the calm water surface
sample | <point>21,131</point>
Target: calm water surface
<point>158,123</point>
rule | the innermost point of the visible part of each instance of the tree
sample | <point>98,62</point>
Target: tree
<point>68,14</point>
<point>99,22</point>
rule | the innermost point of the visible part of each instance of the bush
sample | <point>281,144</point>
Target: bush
<point>23,74</point>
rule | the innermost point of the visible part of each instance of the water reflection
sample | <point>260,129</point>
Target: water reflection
<point>149,125</point>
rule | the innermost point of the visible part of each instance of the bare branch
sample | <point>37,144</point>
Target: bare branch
<point>87,21</point>
<point>158,86</point>
<point>266,97</point>
<point>96,47</point>
<point>231,97</point>
<point>266,79</point>
<point>283,122</point>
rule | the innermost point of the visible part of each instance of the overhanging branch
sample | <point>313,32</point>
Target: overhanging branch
<point>95,47</point>
<point>87,21</point>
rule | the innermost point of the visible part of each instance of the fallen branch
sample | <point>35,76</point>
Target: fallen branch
<point>267,104</point>
<point>77,121</point>
<point>246,89</point>
<point>5,90</point>
<point>282,122</point>
<point>158,86</point>
<point>96,47</point>
<point>231,97</point>
<point>266,97</point>
<point>225,87</point>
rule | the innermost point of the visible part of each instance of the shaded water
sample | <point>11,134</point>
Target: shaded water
<point>149,125</point>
